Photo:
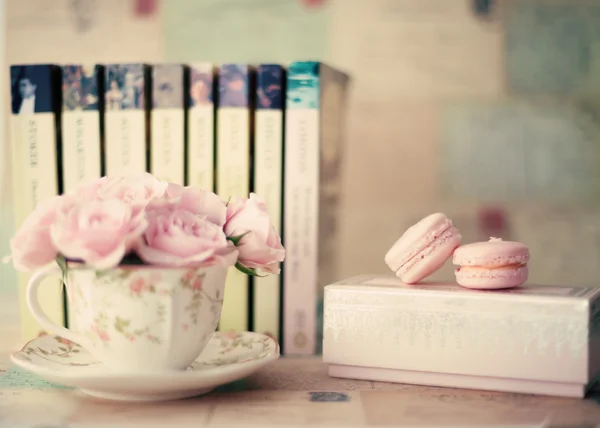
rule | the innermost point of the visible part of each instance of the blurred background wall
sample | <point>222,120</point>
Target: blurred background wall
<point>488,111</point>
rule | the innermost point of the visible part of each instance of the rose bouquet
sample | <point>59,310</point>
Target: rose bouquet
<point>142,220</point>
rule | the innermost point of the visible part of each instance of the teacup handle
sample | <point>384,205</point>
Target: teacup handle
<point>31,296</point>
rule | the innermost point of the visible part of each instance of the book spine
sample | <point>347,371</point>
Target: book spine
<point>201,127</point>
<point>125,93</point>
<point>35,99</point>
<point>233,174</point>
<point>167,147</point>
<point>301,207</point>
<point>81,156</point>
<point>268,167</point>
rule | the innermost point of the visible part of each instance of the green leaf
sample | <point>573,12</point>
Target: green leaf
<point>236,239</point>
<point>123,274</point>
<point>101,273</point>
<point>120,324</point>
<point>247,270</point>
<point>62,263</point>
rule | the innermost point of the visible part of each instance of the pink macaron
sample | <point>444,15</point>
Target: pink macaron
<point>491,265</point>
<point>423,248</point>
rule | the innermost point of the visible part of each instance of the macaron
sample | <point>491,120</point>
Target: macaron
<point>423,248</point>
<point>491,265</point>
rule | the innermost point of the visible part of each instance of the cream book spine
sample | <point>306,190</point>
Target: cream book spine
<point>233,175</point>
<point>167,118</point>
<point>81,143</point>
<point>315,112</point>
<point>268,181</point>
<point>126,99</point>
<point>35,102</point>
<point>201,127</point>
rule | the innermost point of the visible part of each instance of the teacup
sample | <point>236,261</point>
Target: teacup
<point>137,318</point>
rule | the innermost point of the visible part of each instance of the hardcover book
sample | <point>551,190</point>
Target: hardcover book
<point>35,126</point>
<point>315,113</point>
<point>167,135</point>
<point>126,100</point>
<point>201,127</point>
<point>81,139</point>
<point>268,184</point>
<point>233,174</point>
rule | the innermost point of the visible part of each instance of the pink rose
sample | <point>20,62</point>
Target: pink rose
<point>102,334</point>
<point>170,198</point>
<point>198,283</point>
<point>260,247</point>
<point>137,286</point>
<point>204,203</point>
<point>32,247</point>
<point>177,237</point>
<point>99,233</point>
<point>135,190</point>
<point>88,191</point>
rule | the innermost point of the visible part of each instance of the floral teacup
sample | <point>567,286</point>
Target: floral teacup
<point>138,318</point>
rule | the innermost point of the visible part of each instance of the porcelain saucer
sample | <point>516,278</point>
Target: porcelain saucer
<point>228,357</point>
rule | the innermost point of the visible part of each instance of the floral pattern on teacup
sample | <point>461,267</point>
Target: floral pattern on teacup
<point>237,348</point>
<point>142,285</point>
<point>223,349</point>
<point>194,281</point>
<point>56,349</point>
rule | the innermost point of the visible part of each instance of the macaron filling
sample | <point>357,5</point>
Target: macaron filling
<point>510,266</point>
<point>445,235</point>
<point>498,278</point>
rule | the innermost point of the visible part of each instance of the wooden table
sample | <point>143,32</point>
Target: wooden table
<point>290,392</point>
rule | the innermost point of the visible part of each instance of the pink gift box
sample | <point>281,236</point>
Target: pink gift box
<point>538,339</point>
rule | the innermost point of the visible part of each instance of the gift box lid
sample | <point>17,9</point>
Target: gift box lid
<point>539,332</point>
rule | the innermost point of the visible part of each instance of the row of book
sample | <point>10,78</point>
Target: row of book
<point>272,129</point>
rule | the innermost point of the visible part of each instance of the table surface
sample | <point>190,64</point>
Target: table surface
<point>286,393</point>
